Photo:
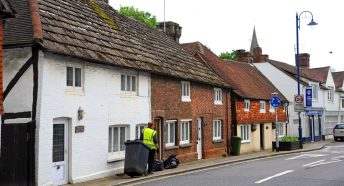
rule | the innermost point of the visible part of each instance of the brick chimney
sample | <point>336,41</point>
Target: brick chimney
<point>258,56</point>
<point>243,56</point>
<point>304,60</point>
<point>172,29</point>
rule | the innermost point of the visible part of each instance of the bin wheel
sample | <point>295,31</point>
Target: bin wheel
<point>131,176</point>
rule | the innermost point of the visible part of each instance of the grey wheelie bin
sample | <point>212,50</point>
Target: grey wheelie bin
<point>136,158</point>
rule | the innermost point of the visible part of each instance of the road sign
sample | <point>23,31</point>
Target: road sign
<point>309,97</point>
<point>298,99</point>
<point>275,101</point>
<point>299,105</point>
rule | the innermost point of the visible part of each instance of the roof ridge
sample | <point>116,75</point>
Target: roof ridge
<point>36,22</point>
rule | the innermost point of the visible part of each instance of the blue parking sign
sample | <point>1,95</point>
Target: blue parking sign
<point>309,97</point>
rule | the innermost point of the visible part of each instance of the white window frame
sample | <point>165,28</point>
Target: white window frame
<point>184,132</point>
<point>245,133</point>
<point>120,153</point>
<point>262,107</point>
<point>314,91</point>
<point>128,87</point>
<point>271,108</point>
<point>169,142</point>
<point>217,96</point>
<point>247,105</point>
<point>186,91</point>
<point>217,129</point>
<point>330,94</point>
<point>138,129</point>
<point>73,87</point>
<point>284,107</point>
<point>280,129</point>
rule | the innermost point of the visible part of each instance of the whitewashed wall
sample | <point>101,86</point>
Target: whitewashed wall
<point>20,97</point>
<point>288,87</point>
<point>103,105</point>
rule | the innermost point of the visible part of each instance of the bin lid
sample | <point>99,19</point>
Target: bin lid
<point>137,141</point>
<point>237,137</point>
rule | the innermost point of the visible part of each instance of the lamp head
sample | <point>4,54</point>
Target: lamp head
<point>312,23</point>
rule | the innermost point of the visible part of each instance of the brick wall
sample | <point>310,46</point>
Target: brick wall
<point>1,78</point>
<point>167,104</point>
<point>254,115</point>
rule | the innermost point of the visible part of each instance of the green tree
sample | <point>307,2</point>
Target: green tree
<point>139,15</point>
<point>228,55</point>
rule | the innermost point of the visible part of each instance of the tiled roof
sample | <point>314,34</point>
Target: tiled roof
<point>18,31</point>
<point>6,9</point>
<point>290,70</point>
<point>338,78</point>
<point>92,30</point>
<point>247,80</point>
<point>319,74</point>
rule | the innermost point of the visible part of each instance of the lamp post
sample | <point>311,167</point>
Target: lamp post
<point>312,23</point>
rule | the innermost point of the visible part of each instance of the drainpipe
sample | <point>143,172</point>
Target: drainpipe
<point>227,121</point>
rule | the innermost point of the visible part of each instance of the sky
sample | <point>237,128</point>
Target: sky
<point>225,25</point>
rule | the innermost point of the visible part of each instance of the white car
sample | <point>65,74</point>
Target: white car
<point>338,132</point>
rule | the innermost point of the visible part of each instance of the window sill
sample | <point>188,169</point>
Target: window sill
<point>246,110</point>
<point>185,145</point>
<point>218,103</point>
<point>171,147</point>
<point>109,160</point>
<point>186,99</point>
<point>246,141</point>
<point>263,112</point>
<point>217,140</point>
<point>71,91</point>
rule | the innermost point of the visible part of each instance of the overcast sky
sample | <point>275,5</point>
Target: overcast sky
<point>224,25</point>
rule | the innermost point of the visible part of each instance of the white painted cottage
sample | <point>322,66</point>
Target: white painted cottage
<point>77,85</point>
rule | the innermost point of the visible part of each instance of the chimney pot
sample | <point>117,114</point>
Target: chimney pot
<point>172,29</point>
<point>304,60</point>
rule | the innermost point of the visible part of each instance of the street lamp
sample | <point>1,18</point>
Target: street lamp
<point>312,23</point>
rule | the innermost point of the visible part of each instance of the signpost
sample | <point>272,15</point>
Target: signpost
<point>275,101</point>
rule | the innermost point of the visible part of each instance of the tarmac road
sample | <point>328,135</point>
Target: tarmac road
<point>321,167</point>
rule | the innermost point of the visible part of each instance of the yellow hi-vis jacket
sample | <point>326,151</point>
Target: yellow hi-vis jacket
<point>148,137</point>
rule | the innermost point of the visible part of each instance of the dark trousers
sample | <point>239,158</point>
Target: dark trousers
<point>151,160</point>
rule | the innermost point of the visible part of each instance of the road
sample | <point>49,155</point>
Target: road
<point>322,167</point>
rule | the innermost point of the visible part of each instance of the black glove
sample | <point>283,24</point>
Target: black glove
<point>157,150</point>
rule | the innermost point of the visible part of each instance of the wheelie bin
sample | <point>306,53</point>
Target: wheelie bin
<point>136,158</point>
<point>236,144</point>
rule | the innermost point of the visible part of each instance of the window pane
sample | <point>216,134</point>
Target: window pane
<point>77,77</point>
<point>183,89</point>
<point>182,132</point>
<point>122,82</point>
<point>58,142</point>
<point>110,139</point>
<point>69,76</point>
<point>172,133</point>
<point>342,103</point>
<point>128,83</point>
<point>133,84</point>
<point>122,138</point>
<point>115,140</point>
<point>187,131</point>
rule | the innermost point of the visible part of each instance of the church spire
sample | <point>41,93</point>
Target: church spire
<point>254,41</point>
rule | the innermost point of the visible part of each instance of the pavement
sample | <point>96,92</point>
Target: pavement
<point>197,165</point>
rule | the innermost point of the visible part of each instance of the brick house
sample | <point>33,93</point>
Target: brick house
<point>82,77</point>
<point>191,115</point>
<point>253,118</point>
